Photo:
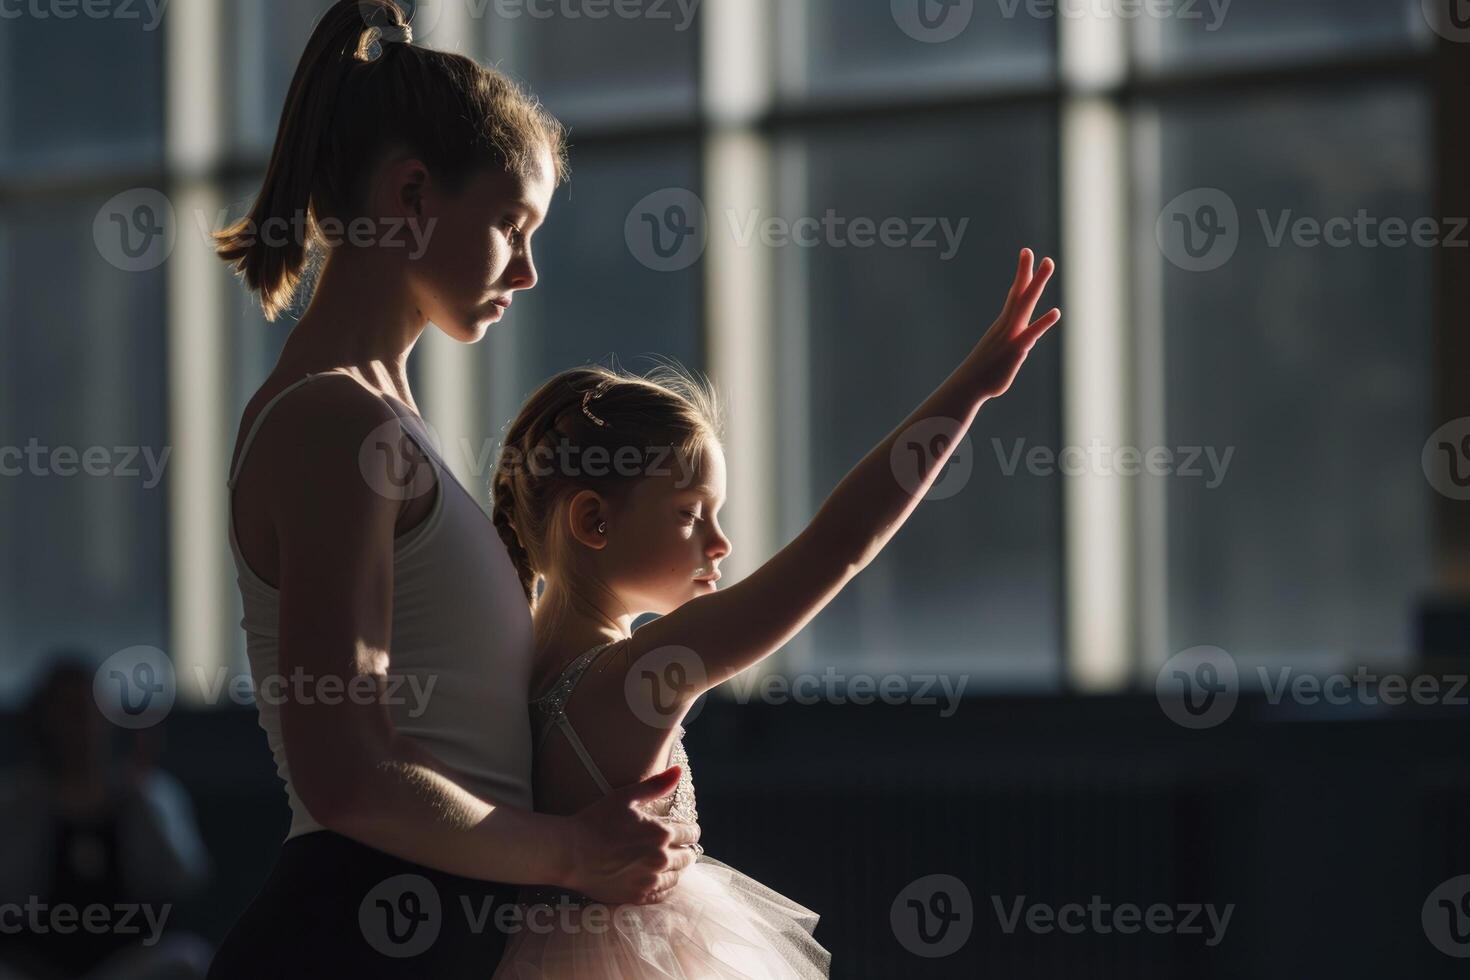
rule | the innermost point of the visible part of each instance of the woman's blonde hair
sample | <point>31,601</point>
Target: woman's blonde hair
<point>361,87</point>
<point>635,426</point>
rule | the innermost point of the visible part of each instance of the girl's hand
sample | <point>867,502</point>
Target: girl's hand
<point>621,854</point>
<point>995,361</point>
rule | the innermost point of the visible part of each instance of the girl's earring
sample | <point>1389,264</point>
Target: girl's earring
<point>602,527</point>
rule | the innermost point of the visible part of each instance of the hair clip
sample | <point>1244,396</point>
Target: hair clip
<point>588,396</point>
<point>370,45</point>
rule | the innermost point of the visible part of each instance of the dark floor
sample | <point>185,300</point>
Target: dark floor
<point>1325,834</point>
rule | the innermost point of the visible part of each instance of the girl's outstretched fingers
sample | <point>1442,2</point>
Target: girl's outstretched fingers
<point>1033,292</point>
<point>1023,275</point>
<point>1043,323</point>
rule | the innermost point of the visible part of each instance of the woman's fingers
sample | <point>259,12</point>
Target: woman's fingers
<point>666,880</point>
<point>682,858</point>
<point>683,833</point>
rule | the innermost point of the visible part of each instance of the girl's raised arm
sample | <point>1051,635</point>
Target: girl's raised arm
<point>737,627</point>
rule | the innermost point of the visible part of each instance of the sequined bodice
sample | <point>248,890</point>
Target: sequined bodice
<point>549,712</point>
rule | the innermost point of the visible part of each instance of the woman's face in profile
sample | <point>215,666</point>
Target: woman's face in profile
<point>476,254</point>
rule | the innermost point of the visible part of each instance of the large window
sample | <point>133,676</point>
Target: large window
<point>83,426</point>
<point>1309,361</point>
<point>972,583</point>
<point>1301,372</point>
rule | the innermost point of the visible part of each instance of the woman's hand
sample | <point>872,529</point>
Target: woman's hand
<point>622,855</point>
<point>995,361</point>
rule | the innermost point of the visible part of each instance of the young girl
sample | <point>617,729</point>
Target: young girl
<point>608,491</point>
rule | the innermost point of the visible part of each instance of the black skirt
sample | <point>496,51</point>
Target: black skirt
<point>335,907</point>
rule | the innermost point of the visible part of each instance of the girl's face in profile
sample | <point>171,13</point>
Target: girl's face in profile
<point>477,253</point>
<point>667,545</point>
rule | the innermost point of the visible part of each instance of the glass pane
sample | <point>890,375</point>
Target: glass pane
<point>1309,360</point>
<point>265,40</point>
<point>594,62</point>
<point>972,581</point>
<point>595,300</point>
<point>1250,30</point>
<point>836,47</point>
<point>55,115</point>
<point>83,431</point>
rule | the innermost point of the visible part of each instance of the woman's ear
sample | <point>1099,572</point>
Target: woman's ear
<point>404,182</point>
<point>587,519</point>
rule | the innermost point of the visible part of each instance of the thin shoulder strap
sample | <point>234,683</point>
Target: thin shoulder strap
<point>565,725</point>
<point>260,417</point>
<point>554,703</point>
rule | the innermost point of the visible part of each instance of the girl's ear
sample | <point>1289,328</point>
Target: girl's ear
<point>587,519</point>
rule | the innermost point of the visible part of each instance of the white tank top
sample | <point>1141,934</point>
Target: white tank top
<point>460,623</point>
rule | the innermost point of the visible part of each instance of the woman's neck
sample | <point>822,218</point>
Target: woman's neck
<point>361,320</point>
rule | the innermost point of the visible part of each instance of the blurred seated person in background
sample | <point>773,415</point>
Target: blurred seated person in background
<point>97,849</point>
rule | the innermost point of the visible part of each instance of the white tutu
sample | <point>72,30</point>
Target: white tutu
<point>716,923</point>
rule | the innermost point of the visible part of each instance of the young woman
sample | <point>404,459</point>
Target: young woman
<point>418,178</point>
<point>607,494</point>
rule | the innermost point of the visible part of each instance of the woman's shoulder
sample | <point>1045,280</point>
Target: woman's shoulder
<point>326,399</point>
<point>317,409</point>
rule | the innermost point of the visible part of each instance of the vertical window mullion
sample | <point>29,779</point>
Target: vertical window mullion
<point>1100,587</point>
<point>200,632</point>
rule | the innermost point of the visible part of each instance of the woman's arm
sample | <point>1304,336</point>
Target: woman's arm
<point>354,773</point>
<point>742,625</point>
